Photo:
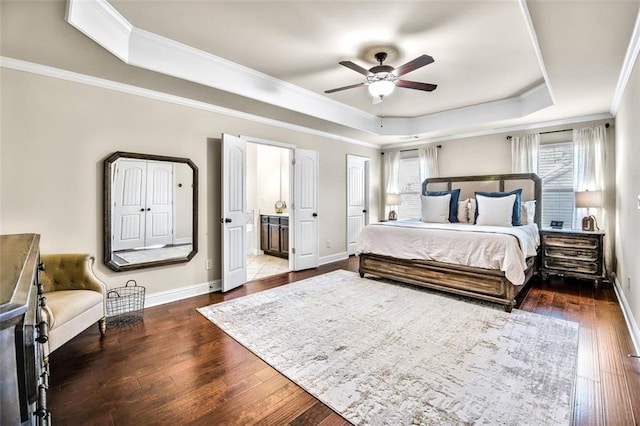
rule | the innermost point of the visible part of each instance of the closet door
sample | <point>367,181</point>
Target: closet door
<point>129,204</point>
<point>357,199</point>
<point>159,205</point>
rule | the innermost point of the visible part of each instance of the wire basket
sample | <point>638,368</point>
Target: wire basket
<point>125,305</point>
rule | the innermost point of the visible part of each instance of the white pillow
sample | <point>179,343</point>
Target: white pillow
<point>528,212</point>
<point>496,211</point>
<point>435,208</point>
<point>463,211</point>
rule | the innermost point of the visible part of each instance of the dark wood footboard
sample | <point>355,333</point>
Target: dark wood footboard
<point>484,284</point>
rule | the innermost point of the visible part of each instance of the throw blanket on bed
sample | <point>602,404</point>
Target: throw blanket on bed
<point>488,247</point>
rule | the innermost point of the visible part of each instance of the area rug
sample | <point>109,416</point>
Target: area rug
<point>382,353</point>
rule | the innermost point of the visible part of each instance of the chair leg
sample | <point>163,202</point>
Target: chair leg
<point>102,326</point>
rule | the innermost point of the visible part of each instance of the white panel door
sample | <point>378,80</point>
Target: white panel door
<point>234,217</point>
<point>159,211</point>
<point>357,199</point>
<point>129,199</point>
<point>305,210</point>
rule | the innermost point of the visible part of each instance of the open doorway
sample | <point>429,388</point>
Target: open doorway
<point>268,204</point>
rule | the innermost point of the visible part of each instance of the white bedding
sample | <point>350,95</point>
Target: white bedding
<point>488,247</point>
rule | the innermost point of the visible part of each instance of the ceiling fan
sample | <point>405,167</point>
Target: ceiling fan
<point>382,79</point>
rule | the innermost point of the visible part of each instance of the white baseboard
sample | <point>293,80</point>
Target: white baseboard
<point>173,295</point>
<point>632,324</point>
<point>333,258</point>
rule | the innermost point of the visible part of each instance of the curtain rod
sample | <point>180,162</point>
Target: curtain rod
<point>415,149</point>
<point>412,149</point>
<point>558,131</point>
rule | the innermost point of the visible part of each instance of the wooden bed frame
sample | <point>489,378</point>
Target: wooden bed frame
<point>484,284</point>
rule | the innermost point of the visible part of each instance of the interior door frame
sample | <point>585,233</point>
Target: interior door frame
<point>292,150</point>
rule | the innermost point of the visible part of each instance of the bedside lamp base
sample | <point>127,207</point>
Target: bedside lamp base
<point>589,223</point>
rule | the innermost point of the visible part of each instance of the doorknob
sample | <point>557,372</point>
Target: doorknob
<point>315,215</point>
<point>227,220</point>
<point>364,211</point>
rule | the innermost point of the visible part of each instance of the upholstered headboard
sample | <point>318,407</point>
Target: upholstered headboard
<point>530,183</point>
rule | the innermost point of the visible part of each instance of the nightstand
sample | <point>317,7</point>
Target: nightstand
<point>572,253</point>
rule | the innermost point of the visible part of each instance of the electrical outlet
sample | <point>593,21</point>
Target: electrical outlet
<point>628,283</point>
<point>328,244</point>
<point>209,264</point>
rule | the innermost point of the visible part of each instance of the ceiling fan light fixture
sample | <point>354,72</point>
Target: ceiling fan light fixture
<point>381,88</point>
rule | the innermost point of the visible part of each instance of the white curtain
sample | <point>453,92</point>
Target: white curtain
<point>524,153</point>
<point>428,162</point>
<point>391,171</point>
<point>589,144</point>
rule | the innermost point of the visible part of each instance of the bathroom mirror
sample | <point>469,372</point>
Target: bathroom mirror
<point>150,210</point>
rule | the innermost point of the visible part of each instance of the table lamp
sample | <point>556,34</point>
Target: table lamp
<point>589,199</point>
<point>393,200</point>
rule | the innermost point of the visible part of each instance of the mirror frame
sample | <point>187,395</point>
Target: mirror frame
<point>108,256</point>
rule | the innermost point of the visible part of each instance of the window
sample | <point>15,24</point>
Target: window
<point>410,187</point>
<point>556,172</point>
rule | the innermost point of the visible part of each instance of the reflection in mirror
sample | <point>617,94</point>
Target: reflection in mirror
<point>150,210</point>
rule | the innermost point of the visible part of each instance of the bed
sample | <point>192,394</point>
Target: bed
<point>492,280</point>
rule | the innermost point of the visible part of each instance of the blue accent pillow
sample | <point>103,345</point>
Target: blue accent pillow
<point>453,204</point>
<point>517,205</point>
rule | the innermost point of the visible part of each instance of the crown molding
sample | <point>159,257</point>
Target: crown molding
<point>151,51</point>
<point>536,46</point>
<point>630,59</point>
<point>109,29</point>
<point>47,71</point>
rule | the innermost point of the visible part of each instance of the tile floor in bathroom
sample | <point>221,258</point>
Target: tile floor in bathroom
<point>260,266</point>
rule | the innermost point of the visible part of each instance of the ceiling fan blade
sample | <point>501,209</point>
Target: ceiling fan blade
<point>344,88</point>
<point>427,87</point>
<point>418,62</point>
<point>355,67</point>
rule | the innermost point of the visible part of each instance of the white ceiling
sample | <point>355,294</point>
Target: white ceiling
<point>501,64</point>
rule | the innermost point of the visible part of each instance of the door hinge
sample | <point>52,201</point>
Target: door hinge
<point>293,161</point>
<point>293,250</point>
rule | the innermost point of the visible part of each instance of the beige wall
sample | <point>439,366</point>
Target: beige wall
<point>627,191</point>
<point>55,135</point>
<point>475,156</point>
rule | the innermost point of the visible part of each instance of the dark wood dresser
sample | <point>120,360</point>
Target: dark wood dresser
<point>573,253</point>
<point>24,370</point>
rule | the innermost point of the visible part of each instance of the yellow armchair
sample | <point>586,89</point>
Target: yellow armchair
<point>75,297</point>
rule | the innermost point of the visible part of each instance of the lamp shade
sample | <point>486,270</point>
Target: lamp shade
<point>588,199</point>
<point>381,88</point>
<point>393,199</point>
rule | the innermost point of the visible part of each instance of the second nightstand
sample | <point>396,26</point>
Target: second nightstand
<point>572,253</point>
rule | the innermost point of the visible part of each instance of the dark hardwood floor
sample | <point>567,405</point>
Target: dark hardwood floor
<point>176,367</point>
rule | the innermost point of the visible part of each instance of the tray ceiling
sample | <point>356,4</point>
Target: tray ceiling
<point>498,64</point>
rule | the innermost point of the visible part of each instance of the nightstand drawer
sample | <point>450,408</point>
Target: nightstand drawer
<point>570,241</point>
<point>570,265</point>
<point>567,253</point>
